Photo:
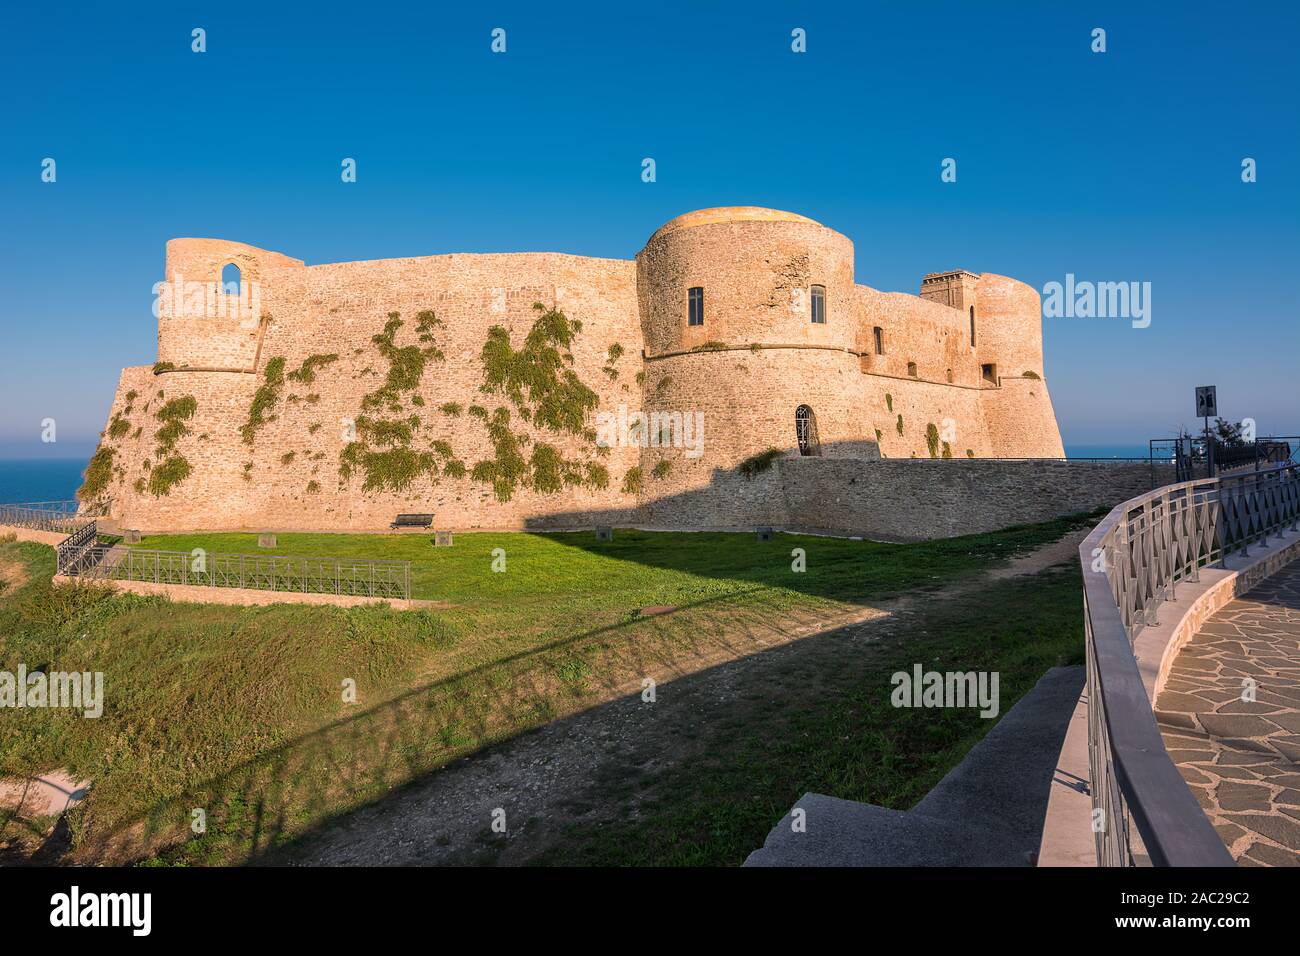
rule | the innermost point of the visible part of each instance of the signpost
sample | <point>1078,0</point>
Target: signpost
<point>1207,407</point>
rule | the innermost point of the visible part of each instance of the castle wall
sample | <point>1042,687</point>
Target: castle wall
<point>920,500</point>
<point>337,309</point>
<point>753,362</point>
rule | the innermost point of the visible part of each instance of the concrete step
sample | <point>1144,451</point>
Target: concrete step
<point>987,811</point>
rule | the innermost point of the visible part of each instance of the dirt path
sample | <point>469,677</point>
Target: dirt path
<point>592,766</point>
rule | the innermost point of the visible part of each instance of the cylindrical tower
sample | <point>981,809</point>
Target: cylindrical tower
<point>1008,326</point>
<point>1009,347</point>
<point>749,320</point>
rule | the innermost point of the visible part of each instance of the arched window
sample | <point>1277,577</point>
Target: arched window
<point>805,430</point>
<point>972,326</point>
<point>230,279</point>
<point>949,375</point>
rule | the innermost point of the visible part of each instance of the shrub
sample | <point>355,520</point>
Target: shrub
<point>1033,375</point>
<point>662,469</point>
<point>756,464</point>
<point>889,401</point>
<point>632,481</point>
<point>932,439</point>
<point>899,424</point>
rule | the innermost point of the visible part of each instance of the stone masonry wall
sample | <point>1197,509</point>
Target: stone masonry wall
<point>919,500</point>
<point>755,360</point>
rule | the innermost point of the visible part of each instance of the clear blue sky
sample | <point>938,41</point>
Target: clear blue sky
<point>1116,166</point>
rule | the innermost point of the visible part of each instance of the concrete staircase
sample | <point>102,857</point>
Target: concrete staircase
<point>988,810</point>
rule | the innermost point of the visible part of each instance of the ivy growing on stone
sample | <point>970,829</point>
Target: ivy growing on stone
<point>98,473</point>
<point>265,399</point>
<point>537,378</point>
<point>306,373</point>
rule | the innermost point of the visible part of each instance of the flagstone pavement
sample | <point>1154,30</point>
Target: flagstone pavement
<point>1230,717</point>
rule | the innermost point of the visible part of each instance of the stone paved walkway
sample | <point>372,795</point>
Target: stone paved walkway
<point>1241,756</point>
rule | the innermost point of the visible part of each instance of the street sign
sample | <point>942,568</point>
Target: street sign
<point>1206,402</point>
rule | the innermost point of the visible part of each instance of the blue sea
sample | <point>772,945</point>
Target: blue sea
<point>45,479</point>
<point>1106,451</point>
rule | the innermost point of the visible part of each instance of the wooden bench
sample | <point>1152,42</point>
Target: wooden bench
<point>412,521</point>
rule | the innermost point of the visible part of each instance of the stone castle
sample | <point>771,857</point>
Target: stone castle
<point>474,387</point>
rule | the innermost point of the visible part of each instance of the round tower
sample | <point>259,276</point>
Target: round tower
<point>1009,346</point>
<point>749,319</point>
<point>1008,326</point>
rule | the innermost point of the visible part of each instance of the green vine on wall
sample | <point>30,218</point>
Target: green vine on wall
<point>395,465</point>
<point>172,468</point>
<point>265,399</point>
<point>306,373</point>
<point>97,475</point>
<point>538,379</point>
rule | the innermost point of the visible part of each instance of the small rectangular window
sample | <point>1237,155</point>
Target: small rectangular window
<point>990,373</point>
<point>879,335</point>
<point>911,369</point>
<point>819,304</point>
<point>695,306</point>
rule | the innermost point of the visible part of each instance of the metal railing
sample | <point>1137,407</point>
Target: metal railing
<point>82,556</point>
<point>58,516</point>
<point>1132,562</point>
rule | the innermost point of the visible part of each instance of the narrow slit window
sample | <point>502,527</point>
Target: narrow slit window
<point>879,335</point>
<point>972,326</point>
<point>819,305</point>
<point>695,306</point>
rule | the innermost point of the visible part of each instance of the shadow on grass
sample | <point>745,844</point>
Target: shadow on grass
<point>255,806</point>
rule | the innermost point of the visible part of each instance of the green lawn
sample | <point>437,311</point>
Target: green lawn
<point>238,710</point>
<point>717,806</point>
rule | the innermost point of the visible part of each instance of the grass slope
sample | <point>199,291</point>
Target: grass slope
<point>239,711</point>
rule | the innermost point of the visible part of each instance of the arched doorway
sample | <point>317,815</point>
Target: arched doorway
<point>805,431</point>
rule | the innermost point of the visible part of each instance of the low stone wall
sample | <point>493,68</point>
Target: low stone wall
<point>52,538</point>
<point>195,594</point>
<point>920,499</point>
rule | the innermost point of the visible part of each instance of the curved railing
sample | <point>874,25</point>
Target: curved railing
<point>1132,562</point>
<point>57,516</point>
